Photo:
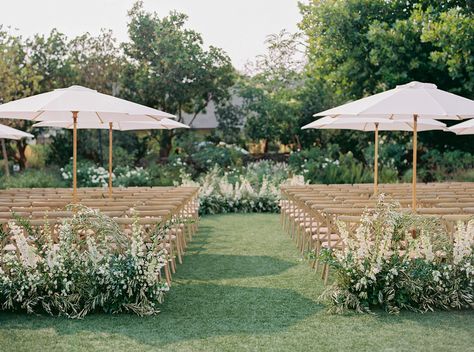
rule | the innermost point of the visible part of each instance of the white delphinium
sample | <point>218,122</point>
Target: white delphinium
<point>463,242</point>
<point>245,188</point>
<point>27,252</point>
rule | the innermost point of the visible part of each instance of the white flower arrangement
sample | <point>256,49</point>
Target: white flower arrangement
<point>109,270</point>
<point>382,263</point>
<point>255,188</point>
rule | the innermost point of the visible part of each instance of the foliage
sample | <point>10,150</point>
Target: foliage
<point>362,47</point>
<point>75,276</point>
<point>438,166</point>
<point>223,155</point>
<point>33,178</point>
<point>382,264</point>
<point>269,91</point>
<point>230,118</point>
<point>255,188</point>
<point>169,69</point>
<point>330,166</point>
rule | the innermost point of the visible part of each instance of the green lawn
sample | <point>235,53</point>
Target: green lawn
<point>242,287</point>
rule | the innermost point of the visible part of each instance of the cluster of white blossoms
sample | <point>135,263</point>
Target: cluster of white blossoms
<point>463,242</point>
<point>98,176</point>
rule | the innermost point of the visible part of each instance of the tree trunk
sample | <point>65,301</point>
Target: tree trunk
<point>166,143</point>
<point>298,142</point>
<point>5,158</point>
<point>21,158</point>
<point>265,146</point>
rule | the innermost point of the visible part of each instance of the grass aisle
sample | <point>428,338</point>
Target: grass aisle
<point>242,287</point>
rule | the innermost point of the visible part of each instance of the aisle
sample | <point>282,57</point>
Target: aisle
<point>242,287</point>
<point>242,275</point>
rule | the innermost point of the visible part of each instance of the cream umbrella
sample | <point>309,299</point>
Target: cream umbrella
<point>75,104</point>
<point>373,124</point>
<point>10,133</point>
<point>165,123</point>
<point>463,128</point>
<point>416,101</point>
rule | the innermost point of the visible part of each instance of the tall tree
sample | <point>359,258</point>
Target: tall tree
<point>18,78</point>
<point>362,47</point>
<point>169,69</point>
<point>97,61</point>
<point>270,91</point>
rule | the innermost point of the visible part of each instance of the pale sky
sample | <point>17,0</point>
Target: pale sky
<point>237,26</point>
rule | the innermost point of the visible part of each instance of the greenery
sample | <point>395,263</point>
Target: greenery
<point>382,264</point>
<point>362,47</point>
<point>108,270</point>
<point>330,165</point>
<point>168,67</point>
<point>33,178</point>
<point>243,286</point>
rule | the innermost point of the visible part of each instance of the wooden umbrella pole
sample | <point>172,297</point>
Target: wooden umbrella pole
<point>74,157</point>
<point>110,159</point>
<point>5,158</point>
<point>415,152</point>
<point>376,160</point>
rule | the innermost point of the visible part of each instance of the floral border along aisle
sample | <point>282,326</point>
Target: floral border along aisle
<point>91,265</point>
<point>397,260</point>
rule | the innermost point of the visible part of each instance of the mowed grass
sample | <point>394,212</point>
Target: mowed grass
<point>243,287</point>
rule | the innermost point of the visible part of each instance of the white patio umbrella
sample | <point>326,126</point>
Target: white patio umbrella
<point>10,133</point>
<point>373,124</point>
<point>75,104</point>
<point>463,128</point>
<point>119,126</point>
<point>414,100</point>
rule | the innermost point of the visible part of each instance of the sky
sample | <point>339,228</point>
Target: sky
<point>238,26</point>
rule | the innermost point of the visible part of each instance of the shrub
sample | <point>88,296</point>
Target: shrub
<point>330,166</point>
<point>439,166</point>
<point>383,265</point>
<point>91,175</point>
<point>131,177</point>
<point>32,178</point>
<point>224,155</point>
<point>107,270</point>
<point>169,173</point>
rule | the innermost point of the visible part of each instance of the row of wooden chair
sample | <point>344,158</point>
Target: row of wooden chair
<point>173,209</point>
<point>310,214</point>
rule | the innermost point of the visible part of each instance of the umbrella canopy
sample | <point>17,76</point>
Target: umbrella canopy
<point>367,124</point>
<point>75,104</point>
<point>164,123</point>
<point>89,104</point>
<point>414,100</point>
<point>466,127</point>
<point>12,133</point>
<point>373,124</point>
